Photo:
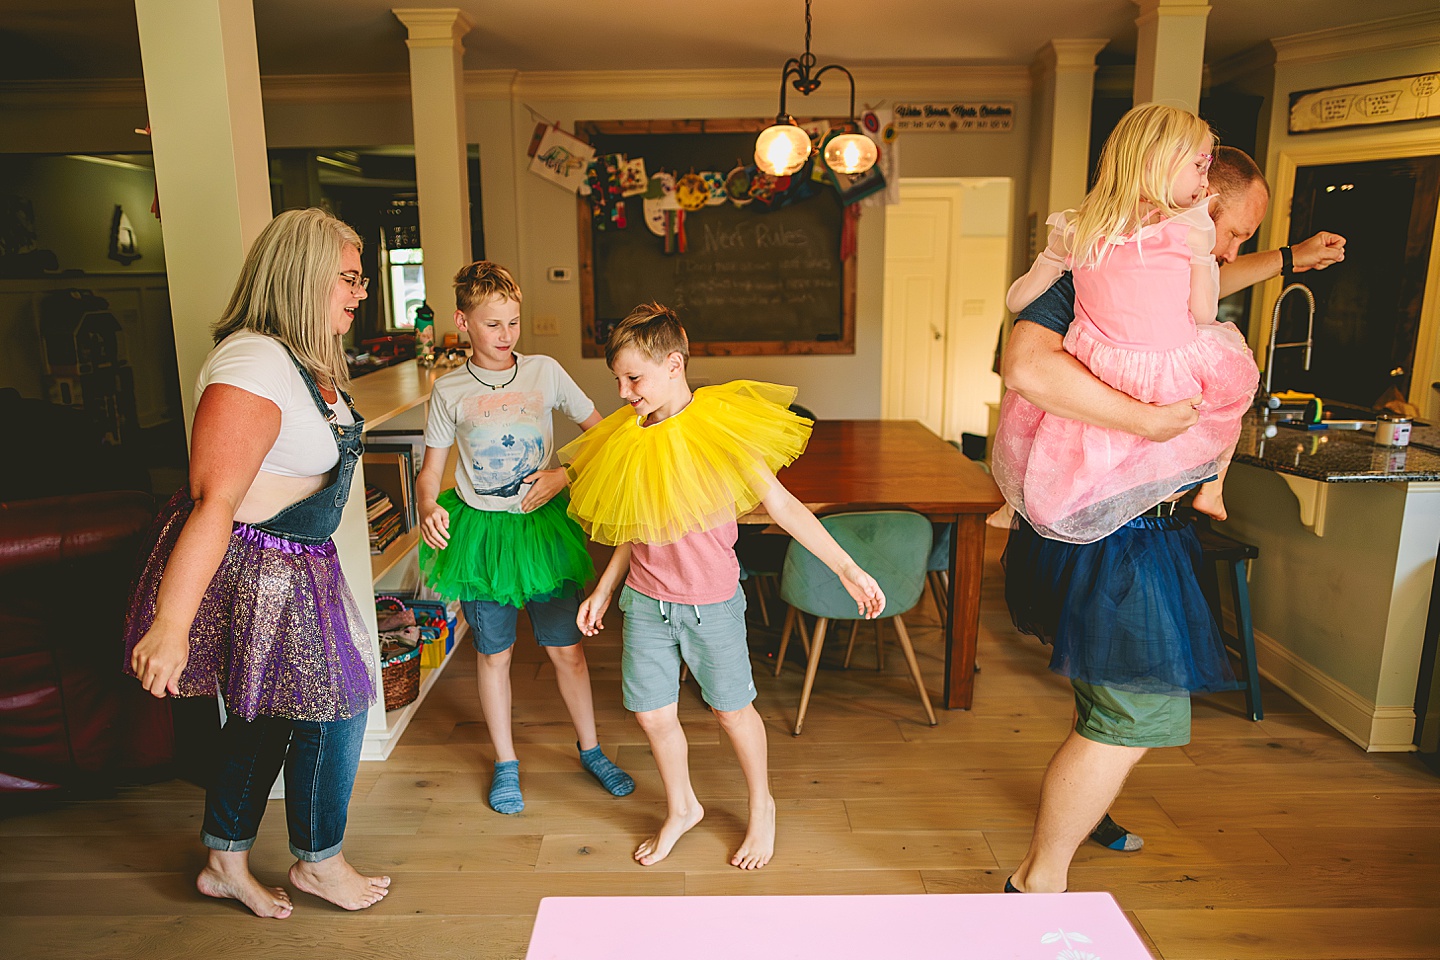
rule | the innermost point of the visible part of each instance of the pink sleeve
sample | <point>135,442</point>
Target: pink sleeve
<point>1047,268</point>
<point>1204,270</point>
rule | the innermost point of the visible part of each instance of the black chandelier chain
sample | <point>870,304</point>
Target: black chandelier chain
<point>807,78</point>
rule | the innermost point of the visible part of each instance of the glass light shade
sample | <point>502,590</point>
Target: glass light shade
<point>782,149</point>
<point>850,153</point>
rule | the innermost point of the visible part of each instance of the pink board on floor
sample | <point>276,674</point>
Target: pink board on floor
<point>984,926</point>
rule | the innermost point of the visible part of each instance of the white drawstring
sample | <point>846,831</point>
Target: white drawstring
<point>666,618</point>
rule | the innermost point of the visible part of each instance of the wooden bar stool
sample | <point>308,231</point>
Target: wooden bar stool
<point>1218,550</point>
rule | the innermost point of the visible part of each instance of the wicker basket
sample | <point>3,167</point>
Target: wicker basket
<point>400,674</point>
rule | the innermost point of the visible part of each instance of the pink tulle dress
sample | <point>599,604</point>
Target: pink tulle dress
<point>1140,327</point>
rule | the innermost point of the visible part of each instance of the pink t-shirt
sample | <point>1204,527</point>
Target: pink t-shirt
<point>698,568</point>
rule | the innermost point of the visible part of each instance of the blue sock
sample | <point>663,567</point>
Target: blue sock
<point>611,777</point>
<point>505,794</point>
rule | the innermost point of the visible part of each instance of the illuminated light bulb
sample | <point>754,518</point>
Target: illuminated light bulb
<point>782,149</point>
<point>850,153</point>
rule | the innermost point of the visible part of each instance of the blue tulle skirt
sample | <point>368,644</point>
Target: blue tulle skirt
<point>1125,612</point>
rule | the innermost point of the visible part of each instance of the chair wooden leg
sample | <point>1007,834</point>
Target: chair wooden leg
<point>1245,639</point>
<point>810,668</point>
<point>684,671</point>
<point>937,593</point>
<point>914,668</point>
<point>790,616</point>
<point>804,632</point>
<point>854,629</point>
<point>760,598</point>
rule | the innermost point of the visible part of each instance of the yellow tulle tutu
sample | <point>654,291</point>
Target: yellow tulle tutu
<point>702,467</point>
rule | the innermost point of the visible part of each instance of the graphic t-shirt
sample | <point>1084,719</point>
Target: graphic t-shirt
<point>504,434</point>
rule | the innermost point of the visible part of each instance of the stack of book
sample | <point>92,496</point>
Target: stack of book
<point>385,520</point>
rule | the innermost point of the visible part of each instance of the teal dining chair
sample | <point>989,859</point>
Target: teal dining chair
<point>893,546</point>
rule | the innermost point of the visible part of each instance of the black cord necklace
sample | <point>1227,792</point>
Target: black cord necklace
<point>494,386</point>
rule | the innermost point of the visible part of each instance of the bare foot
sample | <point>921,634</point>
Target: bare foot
<point>1210,502</point>
<point>335,880</point>
<point>658,847</point>
<point>231,879</point>
<point>759,844</point>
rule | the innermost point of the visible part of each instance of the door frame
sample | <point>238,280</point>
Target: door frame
<point>1427,334</point>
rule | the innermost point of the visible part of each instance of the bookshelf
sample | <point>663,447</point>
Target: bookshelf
<point>395,398</point>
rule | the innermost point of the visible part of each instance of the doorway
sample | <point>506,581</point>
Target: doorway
<point>947,266</point>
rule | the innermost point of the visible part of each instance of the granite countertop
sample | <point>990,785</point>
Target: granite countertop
<point>1338,456</point>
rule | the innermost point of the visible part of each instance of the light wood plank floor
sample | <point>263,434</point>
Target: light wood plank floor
<point>1265,841</point>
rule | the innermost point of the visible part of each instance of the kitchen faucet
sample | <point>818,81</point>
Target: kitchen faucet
<point>1307,343</point>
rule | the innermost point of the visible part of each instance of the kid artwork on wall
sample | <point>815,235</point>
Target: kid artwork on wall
<point>561,158</point>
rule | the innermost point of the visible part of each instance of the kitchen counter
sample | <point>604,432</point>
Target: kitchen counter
<point>1337,456</point>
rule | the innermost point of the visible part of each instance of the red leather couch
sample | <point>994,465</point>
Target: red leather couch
<point>68,716</point>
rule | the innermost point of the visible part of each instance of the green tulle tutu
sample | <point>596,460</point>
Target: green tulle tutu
<point>507,557</point>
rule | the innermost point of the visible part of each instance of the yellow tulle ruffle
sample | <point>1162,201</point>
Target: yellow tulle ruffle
<point>702,467</point>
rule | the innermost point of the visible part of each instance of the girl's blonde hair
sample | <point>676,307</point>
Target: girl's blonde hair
<point>285,286</point>
<point>1141,158</point>
<point>481,281</point>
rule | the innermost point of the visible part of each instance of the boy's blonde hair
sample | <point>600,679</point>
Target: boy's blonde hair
<point>481,281</point>
<point>653,330</point>
<point>1139,162</point>
<point>284,290</point>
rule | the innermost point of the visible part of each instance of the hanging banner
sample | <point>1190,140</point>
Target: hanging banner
<point>1362,104</point>
<point>976,117</point>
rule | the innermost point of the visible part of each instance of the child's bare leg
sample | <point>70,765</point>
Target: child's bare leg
<point>227,876</point>
<point>672,757</point>
<point>492,680</point>
<point>747,733</point>
<point>572,676</point>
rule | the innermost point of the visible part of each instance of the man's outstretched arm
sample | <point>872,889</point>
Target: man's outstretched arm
<point>1317,253</point>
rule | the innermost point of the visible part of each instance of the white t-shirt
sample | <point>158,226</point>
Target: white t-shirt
<point>261,365</point>
<point>504,434</point>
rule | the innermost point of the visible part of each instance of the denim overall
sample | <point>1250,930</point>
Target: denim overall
<point>320,758</point>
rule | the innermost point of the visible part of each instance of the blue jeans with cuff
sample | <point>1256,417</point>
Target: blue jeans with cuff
<point>320,760</point>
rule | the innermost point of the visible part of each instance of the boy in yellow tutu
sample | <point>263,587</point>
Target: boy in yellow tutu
<point>663,479</point>
<point>500,540</point>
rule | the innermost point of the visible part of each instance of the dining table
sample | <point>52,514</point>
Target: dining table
<point>901,465</point>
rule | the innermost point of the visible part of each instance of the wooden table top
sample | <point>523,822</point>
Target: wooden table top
<point>878,464</point>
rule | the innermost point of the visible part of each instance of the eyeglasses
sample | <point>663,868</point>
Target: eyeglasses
<point>1206,160</point>
<point>356,281</point>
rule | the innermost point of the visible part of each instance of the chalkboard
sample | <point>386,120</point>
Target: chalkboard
<point>749,282</point>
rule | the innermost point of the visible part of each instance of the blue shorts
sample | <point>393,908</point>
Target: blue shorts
<point>711,639</point>
<point>492,624</point>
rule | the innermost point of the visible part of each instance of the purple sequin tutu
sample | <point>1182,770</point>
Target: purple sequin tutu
<point>278,633</point>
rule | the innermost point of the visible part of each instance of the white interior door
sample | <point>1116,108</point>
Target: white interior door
<point>946,271</point>
<point>918,235</point>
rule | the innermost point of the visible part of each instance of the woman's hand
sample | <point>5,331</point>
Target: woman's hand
<point>159,659</point>
<point>544,484</point>
<point>863,588</point>
<point>592,611</point>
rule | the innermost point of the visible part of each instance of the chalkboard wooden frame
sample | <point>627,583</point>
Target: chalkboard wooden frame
<point>590,347</point>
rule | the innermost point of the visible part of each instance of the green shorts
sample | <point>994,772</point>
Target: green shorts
<point>710,638</point>
<point>1125,719</point>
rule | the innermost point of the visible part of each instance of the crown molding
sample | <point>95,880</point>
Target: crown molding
<point>873,84</point>
<point>1396,33</point>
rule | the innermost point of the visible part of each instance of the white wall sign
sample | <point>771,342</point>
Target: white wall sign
<point>1361,104</point>
<point>955,117</point>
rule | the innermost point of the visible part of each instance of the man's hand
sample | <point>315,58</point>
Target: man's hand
<point>1318,252</point>
<point>1167,421</point>
<point>544,485</point>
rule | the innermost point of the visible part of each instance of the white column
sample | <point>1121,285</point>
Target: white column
<point>1064,73</point>
<point>437,97</point>
<point>1170,52</point>
<point>202,91</point>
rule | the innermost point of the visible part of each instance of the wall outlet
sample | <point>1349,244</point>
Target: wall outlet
<point>546,325</point>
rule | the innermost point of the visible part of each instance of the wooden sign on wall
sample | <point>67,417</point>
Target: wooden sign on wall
<point>1394,100</point>
<point>955,117</point>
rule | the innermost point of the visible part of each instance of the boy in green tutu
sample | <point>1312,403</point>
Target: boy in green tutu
<point>501,540</point>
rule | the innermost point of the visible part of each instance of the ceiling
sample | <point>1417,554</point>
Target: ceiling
<point>90,39</point>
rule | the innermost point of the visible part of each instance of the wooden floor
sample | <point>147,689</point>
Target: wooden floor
<point>1267,840</point>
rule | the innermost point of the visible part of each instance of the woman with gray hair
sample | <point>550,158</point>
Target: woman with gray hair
<point>242,594</point>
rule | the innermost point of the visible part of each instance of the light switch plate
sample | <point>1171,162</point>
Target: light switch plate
<point>546,325</point>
